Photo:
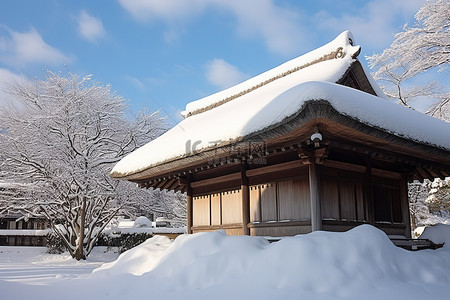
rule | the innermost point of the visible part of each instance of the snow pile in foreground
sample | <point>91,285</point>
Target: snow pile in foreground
<point>138,260</point>
<point>360,263</point>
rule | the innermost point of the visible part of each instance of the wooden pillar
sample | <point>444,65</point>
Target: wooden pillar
<point>189,208</point>
<point>316,213</point>
<point>245,193</point>
<point>368,191</point>
<point>406,218</point>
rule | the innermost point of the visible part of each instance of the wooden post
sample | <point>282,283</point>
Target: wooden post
<point>368,190</point>
<point>245,193</point>
<point>406,218</point>
<point>316,213</point>
<point>189,208</point>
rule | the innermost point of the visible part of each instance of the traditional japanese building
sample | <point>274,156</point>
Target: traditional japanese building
<point>309,145</point>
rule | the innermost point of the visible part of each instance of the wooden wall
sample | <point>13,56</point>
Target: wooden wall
<point>346,204</point>
<point>288,229</point>
<point>280,201</point>
<point>217,209</point>
<point>280,208</point>
<point>342,196</point>
<point>283,208</point>
<point>285,203</point>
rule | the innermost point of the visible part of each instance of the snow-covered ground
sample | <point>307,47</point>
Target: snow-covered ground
<point>358,264</point>
<point>32,265</point>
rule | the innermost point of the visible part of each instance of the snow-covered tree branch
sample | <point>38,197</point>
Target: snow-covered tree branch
<point>58,149</point>
<point>414,51</point>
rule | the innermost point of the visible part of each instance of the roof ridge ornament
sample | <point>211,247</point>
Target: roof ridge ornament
<point>337,54</point>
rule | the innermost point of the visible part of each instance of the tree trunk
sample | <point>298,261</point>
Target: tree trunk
<point>413,222</point>
<point>79,253</point>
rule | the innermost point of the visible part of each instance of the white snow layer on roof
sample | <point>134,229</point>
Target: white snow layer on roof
<point>343,40</point>
<point>267,106</point>
<point>271,103</point>
<point>24,232</point>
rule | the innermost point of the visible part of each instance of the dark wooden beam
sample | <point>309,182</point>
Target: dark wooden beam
<point>386,174</point>
<point>173,184</point>
<point>426,171</point>
<point>167,183</point>
<point>368,192</point>
<point>307,157</point>
<point>433,173</point>
<point>189,208</point>
<point>445,173</point>
<point>345,166</point>
<point>183,181</point>
<point>441,174</point>
<point>245,193</point>
<point>159,184</point>
<point>320,155</point>
<point>215,180</point>
<point>406,218</point>
<point>422,174</point>
<point>274,168</point>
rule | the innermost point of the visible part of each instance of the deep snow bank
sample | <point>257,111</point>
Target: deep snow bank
<point>330,264</point>
<point>138,260</point>
<point>439,233</point>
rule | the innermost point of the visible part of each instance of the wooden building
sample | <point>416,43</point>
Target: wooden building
<point>16,231</point>
<point>309,145</point>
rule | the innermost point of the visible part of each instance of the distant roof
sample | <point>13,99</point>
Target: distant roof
<point>273,97</point>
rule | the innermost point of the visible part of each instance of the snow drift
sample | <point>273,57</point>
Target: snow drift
<point>320,264</point>
<point>438,234</point>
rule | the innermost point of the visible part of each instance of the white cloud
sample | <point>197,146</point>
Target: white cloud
<point>89,27</point>
<point>23,48</point>
<point>136,82</point>
<point>374,24</point>
<point>222,74</point>
<point>145,10</point>
<point>277,26</point>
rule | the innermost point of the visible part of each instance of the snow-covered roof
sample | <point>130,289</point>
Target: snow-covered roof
<point>340,52</point>
<point>24,232</point>
<point>270,98</point>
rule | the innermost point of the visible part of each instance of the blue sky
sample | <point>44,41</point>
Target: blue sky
<point>163,54</point>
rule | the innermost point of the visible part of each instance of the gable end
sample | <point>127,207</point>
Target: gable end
<point>357,79</point>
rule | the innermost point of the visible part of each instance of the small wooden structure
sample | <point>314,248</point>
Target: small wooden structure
<point>30,232</point>
<point>415,244</point>
<point>325,165</point>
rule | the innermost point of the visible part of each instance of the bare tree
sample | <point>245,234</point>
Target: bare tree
<point>417,194</point>
<point>441,108</point>
<point>57,152</point>
<point>439,196</point>
<point>415,50</point>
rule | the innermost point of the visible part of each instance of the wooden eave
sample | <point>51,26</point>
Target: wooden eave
<point>339,132</point>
